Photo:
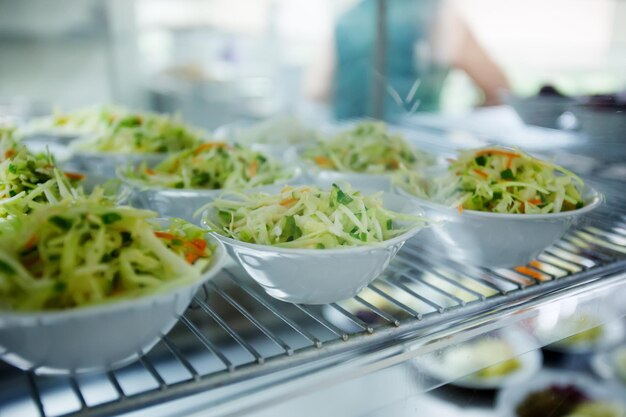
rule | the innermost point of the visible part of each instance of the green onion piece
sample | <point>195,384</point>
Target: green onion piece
<point>507,174</point>
<point>342,197</point>
<point>6,268</point>
<point>61,222</point>
<point>109,218</point>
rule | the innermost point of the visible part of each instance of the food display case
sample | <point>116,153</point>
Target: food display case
<point>238,351</point>
<point>432,335</point>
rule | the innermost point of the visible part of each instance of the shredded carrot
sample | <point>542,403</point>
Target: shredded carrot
<point>252,169</point>
<point>323,161</point>
<point>199,243</point>
<point>535,264</point>
<point>31,242</point>
<point>534,201</point>
<point>509,162</point>
<point>191,257</point>
<point>288,201</point>
<point>510,155</point>
<point>150,171</point>
<point>209,145</point>
<point>530,272</point>
<point>74,176</point>
<point>393,164</point>
<point>497,152</point>
<point>165,235</point>
<point>9,153</point>
<point>197,246</point>
<point>481,173</point>
<point>460,208</point>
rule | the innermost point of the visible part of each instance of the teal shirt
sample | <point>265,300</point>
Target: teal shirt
<point>408,24</point>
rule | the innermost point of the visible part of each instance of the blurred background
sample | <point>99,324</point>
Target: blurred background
<point>219,60</point>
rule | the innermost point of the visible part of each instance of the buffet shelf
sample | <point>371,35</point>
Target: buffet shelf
<point>234,334</point>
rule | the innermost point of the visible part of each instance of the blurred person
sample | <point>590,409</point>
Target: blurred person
<point>425,39</point>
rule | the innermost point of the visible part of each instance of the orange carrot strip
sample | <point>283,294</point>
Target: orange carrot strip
<point>74,176</point>
<point>252,169</point>
<point>9,153</point>
<point>530,272</point>
<point>191,257</point>
<point>150,171</point>
<point>197,246</point>
<point>393,164</point>
<point>209,145</point>
<point>481,173</point>
<point>323,161</point>
<point>165,235</point>
<point>460,208</point>
<point>288,201</point>
<point>497,152</point>
<point>535,201</point>
<point>31,242</point>
<point>199,243</point>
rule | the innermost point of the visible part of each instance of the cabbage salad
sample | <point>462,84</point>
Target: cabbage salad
<point>132,132</point>
<point>88,251</point>
<point>28,180</point>
<point>368,148</point>
<point>86,120</point>
<point>212,166</point>
<point>309,218</point>
<point>500,180</point>
<point>9,142</point>
<point>285,130</point>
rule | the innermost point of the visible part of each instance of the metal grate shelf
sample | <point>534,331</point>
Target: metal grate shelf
<point>234,332</point>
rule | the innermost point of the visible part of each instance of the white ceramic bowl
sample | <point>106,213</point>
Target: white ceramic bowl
<point>604,125</point>
<point>105,164</point>
<point>539,110</point>
<point>95,338</point>
<point>176,202</point>
<point>513,395</point>
<point>497,240</point>
<point>319,276</point>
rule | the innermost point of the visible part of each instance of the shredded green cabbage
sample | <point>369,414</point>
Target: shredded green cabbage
<point>307,217</point>
<point>142,133</point>
<point>368,148</point>
<point>286,130</point>
<point>86,120</point>
<point>88,251</point>
<point>499,180</point>
<point>28,180</point>
<point>212,165</point>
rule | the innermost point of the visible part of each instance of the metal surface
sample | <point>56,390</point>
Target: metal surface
<point>234,332</point>
<point>380,62</point>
